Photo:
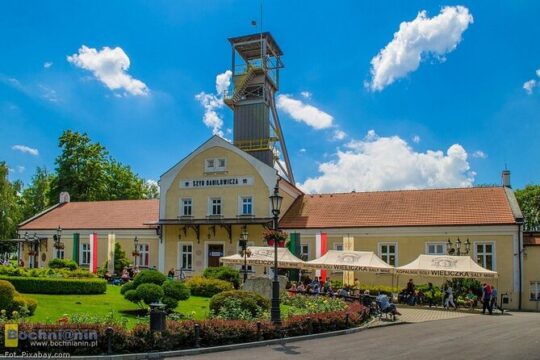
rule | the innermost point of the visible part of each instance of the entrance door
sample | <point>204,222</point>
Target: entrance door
<point>215,251</point>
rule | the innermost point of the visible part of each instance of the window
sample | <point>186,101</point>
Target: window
<point>58,253</point>
<point>215,165</point>
<point>338,246</point>
<point>247,205</point>
<point>388,253</point>
<point>85,254</point>
<point>186,256</point>
<point>144,258</point>
<point>221,163</point>
<point>215,206</point>
<point>535,291</point>
<point>436,248</point>
<point>304,251</point>
<point>485,254</point>
<point>210,164</point>
<point>186,207</point>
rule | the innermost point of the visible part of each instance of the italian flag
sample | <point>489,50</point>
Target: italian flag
<point>320,250</point>
<point>93,252</point>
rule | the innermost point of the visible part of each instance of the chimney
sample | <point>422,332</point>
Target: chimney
<point>506,178</point>
<point>64,197</point>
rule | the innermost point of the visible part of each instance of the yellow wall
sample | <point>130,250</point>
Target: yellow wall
<point>531,272</point>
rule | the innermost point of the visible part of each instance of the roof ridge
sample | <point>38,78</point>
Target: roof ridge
<point>404,190</point>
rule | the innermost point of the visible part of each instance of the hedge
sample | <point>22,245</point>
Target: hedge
<point>181,334</point>
<point>201,286</point>
<point>249,300</point>
<point>57,285</point>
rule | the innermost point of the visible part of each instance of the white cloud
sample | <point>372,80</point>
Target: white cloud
<point>305,113</point>
<point>20,168</point>
<point>339,135</point>
<point>48,93</point>
<point>386,163</point>
<point>479,154</point>
<point>306,94</point>
<point>110,67</point>
<point>538,72</point>
<point>529,86</point>
<point>47,65</point>
<point>25,149</point>
<point>415,40</point>
<point>302,150</point>
<point>416,139</point>
<point>213,102</point>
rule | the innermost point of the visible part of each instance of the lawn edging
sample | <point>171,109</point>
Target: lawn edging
<point>372,324</point>
<point>57,286</point>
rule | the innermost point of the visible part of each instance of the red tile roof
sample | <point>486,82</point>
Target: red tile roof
<point>94,215</point>
<point>432,207</point>
<point>531,239</point>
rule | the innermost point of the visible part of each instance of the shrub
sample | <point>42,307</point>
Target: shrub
<point>201,286</point>
<point>45,272</point>
<point>130,285</point>
<point>176,290</point>
<point>300,304</point>
<point>24,305</point>
<point>249,301</point>
<point>223,273</point>
<point>42,285</point>
<point>63,264</point>
<point>7,292</point>
<point>149,293</point>
<point>133,296</point>
<point>120,259</point>
<point>170,303</point>
<point>149,276</point>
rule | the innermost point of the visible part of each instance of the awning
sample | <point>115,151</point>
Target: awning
<point>446,266</point>
<point>264,255</point>
<point>365,261</point>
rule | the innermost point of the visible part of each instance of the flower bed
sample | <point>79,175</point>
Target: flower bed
<point>213,332</point>
<point>44,285</point>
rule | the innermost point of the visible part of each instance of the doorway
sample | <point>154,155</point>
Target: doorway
<point>213,253</point>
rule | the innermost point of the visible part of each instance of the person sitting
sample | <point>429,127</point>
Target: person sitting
<point>367,300</point>
<point>107,276</point>
<point>301,288</point>
<point>329,291</point>
<point>386,306</point>
<point>292,290</point>
<point>343,292</point>
<point>125,275</point>
<point>170,274</point>
<point>470,299</point>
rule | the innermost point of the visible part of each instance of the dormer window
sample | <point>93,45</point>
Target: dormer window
<point>210,164</point>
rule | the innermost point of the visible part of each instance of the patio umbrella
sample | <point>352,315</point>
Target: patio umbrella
<point>365,261</point>
<point>264,255</point>
<point>446,266</point>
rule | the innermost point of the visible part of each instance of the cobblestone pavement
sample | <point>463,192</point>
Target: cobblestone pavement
<point>417,315</point>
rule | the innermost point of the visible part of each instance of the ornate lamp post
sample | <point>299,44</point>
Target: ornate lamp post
<point>451,250</point>
<point>58,239</point>
<point>135,252</point>
<point>275,314</point>
<point>244,250</point>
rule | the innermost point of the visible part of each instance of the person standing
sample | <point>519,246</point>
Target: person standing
<point>431,292</point>
<point>486,299</point>
<point>493,302</point>
<point>449,298</point>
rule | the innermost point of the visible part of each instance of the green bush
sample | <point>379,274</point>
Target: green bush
<point>176,290</point>
<point>223,273</point>
<point>24,305</point>
<point>63,264</point>
<point>41,285</point>
<point>149,293</point>
<point>201,286</point>
<point>130,285</point>
<point>7,292</point>
<point>133,296</point>
<point>45,272</point>
<point>170,303</point>
<point>249,301</point>
<point>149,276</point>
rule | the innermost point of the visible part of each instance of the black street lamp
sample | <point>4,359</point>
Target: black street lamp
<point>244,250</point>
<point>457,249</point>
<point>275,200</point>
<point>135,252</point>
<point>57,237</point>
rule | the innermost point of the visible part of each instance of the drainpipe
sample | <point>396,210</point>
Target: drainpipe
<point>520,254</point>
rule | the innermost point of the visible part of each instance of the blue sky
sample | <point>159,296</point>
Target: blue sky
<point>455,120</point>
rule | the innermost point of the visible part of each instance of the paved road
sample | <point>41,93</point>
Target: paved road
<point>514,337</point>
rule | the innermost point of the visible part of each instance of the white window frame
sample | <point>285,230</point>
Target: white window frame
<point>59,253</point>
<point>534,286</point>
<point>183,206</point>
<point>144,251</point>
<point>241,206</point>
<point>221,168</point>
<point>436,243</point>
<point>82,252</point>
<point>181,253</point>
<point>493,254</point>
<point>211,206</point>
<point>308,253</point>
<point>215,165</point>
<point>207,167</point>
<point>396,253</point>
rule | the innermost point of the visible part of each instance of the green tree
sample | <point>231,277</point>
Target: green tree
<point>151,189</point>
<point>80,168</point>
<point>123,183</point>
<point>120,259</point>
<point>10,209</point>
<point>37,196</point>
<point>529,202</point>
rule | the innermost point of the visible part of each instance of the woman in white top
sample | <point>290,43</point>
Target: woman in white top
<point>449,298</point>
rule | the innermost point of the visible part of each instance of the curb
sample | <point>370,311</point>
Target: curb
<point>187,352</point>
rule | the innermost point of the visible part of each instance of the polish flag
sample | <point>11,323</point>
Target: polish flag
<point>93,252</point>
<point>320,250</point>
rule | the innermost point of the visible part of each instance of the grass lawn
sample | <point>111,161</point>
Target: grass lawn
<point>52,307</point>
